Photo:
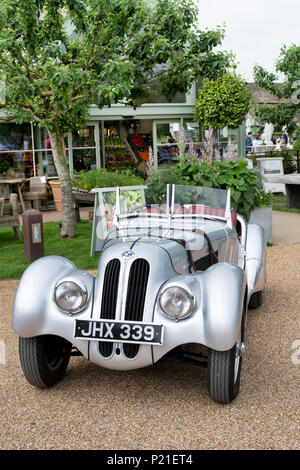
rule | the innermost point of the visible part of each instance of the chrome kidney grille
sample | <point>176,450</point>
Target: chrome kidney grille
<point>135,290</point>
<point>135,300</point>
<point>109,299</point>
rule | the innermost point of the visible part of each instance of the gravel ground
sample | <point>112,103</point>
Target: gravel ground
<point>166,406</point>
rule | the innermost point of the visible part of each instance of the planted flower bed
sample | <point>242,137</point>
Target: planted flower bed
<point>84,182</point>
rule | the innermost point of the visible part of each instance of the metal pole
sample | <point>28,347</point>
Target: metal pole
<point>241,140</point>
<point>33,150</point>
<point>103,144</point>
<point>70,147</point>
<point>98,143</point>
<point>154,136</point>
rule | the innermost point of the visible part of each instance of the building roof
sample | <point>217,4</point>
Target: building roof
<point>263,96</point>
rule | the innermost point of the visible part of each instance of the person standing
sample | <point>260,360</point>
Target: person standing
<point>249,142</point>
<point>285,138</point>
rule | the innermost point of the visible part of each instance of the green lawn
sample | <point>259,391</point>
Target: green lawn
<point>280,204</point>
<point>12,259</point>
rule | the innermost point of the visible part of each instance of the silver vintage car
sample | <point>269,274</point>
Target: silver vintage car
<point>177,272</point>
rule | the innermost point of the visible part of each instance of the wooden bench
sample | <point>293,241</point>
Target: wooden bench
<point>292,184</point>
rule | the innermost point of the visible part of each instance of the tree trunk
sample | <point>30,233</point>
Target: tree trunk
<point>211,146</point>
<point>68,226</point>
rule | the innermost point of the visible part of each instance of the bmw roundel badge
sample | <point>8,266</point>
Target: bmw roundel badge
<point>128,254</point>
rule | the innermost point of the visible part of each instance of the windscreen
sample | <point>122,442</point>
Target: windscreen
<point>143,201</point>
<point>163,201</point>
<point>158,211</point>
<point>196,200</point>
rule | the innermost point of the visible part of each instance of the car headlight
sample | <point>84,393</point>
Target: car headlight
<point>176,302</point>
<point>70,297</point>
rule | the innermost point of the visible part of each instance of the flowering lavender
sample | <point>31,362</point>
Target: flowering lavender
<point>182,142</point>
<point>205,151</point>
<point>151,163</point>
<point>218,155</point>
<point>209,153</point>
<point>231,151</point>
<point>191,149</point>
<point>187,148</point>
<point>201,154</point>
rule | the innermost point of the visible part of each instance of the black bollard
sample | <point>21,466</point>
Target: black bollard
<point>33,234</point>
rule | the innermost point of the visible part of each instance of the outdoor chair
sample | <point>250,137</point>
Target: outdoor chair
<point>12,219</point>
<point>37,192</point>
<point>2,201</point>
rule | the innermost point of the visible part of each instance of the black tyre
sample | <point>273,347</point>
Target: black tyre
<point>224,368</point>
<point>255,300</point>
<point>44,359</point>
<point>224,371</point>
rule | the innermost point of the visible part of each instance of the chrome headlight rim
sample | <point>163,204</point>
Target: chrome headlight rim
<point>187,291</point>
<point>83,292</point>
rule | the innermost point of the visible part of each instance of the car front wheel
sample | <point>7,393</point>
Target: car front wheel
<point>44,359</point>
<point>224,371</point>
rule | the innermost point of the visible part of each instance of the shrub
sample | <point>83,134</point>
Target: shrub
<point>246,192</point>
<point>289,165</point>
<point>264,199</point>
<point>156,184</point>
<point>105,179</point>
<point>296,146</point>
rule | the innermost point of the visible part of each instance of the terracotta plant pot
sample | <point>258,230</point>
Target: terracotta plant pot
<point>55,186</point>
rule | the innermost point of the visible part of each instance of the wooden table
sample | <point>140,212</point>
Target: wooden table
<point>19,182</point>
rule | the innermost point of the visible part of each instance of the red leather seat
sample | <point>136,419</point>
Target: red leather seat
<point>205,210</point>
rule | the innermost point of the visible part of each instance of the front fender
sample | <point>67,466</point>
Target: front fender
<point>223,288</point>
<point>35,312</point>
<point>256,258</point>
<point>220,293</point>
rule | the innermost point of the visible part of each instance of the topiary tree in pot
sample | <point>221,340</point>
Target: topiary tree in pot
<point>222,102</point>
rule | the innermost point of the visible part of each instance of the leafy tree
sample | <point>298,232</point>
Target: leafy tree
<point>282,114</point>
<point>222,102</point>
<point>58,57</point>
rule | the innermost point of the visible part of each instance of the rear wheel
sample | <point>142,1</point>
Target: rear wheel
<point>255,300</point>
<point>44,359</point>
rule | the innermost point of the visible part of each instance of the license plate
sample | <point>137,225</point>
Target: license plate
<point>122,332</point>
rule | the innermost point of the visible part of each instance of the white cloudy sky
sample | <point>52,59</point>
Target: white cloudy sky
<point>255,29</point>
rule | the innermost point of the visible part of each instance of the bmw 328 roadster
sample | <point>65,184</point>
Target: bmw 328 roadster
<point>178,269</point>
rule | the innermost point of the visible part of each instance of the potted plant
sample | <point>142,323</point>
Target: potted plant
<point>56,191</point>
